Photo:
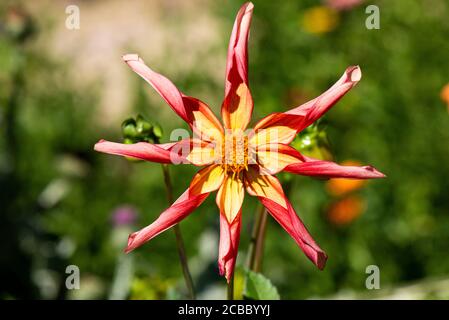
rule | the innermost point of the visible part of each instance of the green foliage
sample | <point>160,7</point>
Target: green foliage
<point>139,129</point>
<point>257,287</point>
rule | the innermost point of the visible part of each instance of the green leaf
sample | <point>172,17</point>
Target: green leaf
<point>257,287</point>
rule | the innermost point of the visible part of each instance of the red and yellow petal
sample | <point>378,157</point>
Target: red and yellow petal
<point>185,204</point>
<point>166,89</point>
<point>329,169</point>
<point>282,127</point>
<point>316,108</point>
<point>276,128</point>
<point>269,191</point>
<point>237,60</point>
<point>189,109</point>
<point>289,220</point>
<point>207,179</point>
<point>229,243</point>
<point>237,107</point>
<point>264,185</point>
<point>160,153</point>
<point>273,158</point>
<point>230,196</point>
<point>204,123</point>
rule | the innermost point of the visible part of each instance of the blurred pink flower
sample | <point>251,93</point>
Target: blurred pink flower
<point>343,4</point>
<point>124,215</point>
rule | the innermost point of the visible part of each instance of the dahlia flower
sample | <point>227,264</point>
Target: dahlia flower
<point>234,159</point>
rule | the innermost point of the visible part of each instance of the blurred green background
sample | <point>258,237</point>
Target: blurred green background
<point>62,90</point>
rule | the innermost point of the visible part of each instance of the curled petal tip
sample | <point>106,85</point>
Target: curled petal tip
<point>249,6</point>
<point>97,145</point>
<point>354,73</point>
<point>130,247</point>
<point>375,173</point>
<point>131,57</point>
<point>321,260</point>
<point>223,271</point>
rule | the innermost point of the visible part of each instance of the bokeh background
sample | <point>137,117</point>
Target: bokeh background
<point>62,90</point>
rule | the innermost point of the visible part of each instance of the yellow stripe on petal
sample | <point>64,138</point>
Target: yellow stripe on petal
<point>207,180</point>
<point>265,186</point>
<point>230,196</point>
<point>237,108</point>
<point>275,157</point>
<point>276,128</point>
<point>206,124</point>
<point>276,134</point>
<point>201,153</point>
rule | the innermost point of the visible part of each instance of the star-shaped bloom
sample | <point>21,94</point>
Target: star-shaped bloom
<point>235,159</point>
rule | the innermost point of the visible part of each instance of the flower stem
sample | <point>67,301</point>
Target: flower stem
<point>179,240</point>
<point>257,240</point>
<point>231,288</point>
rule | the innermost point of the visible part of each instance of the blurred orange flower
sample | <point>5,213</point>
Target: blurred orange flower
<point>445,95</point>
<point>346,210</point>
<point>320,19</point>
<point>341,186</point>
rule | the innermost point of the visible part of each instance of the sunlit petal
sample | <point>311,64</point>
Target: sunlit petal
<point>289,220</point>
<point>229,242</point>
<point>264,185</point>
<point>237,106</point>
<point>185,204</point>
<point>276,128</point>
<point>188,108</point>
<point>273,158</point>
<point>207,179</point>
<point>230,196</point>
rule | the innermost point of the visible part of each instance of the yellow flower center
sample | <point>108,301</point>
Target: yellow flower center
<point>234,153</point>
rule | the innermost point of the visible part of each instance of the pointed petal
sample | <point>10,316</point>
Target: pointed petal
<point>273,158</point>
<point>237,106</point>
<point>288,124</point>
<point>314,109</point>
<point>264,185</point>
<point>185,204</point>
<point>328,169</point>
<point>229,243</point>
<point>291,223</point>
<point>238,47</point>
<point>166,89</point>
<point>276,128</point>
<point>188,108</point>
<point>230,196</point>
<point>207,179</point>
<point>142,150</point>
<point>203,121</point>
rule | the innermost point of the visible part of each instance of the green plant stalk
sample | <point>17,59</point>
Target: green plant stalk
<point>179,240</point>
<point>260,244</point>
<point>257,241</point>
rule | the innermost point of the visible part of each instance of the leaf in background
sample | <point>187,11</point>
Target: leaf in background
<point>257,287</point>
